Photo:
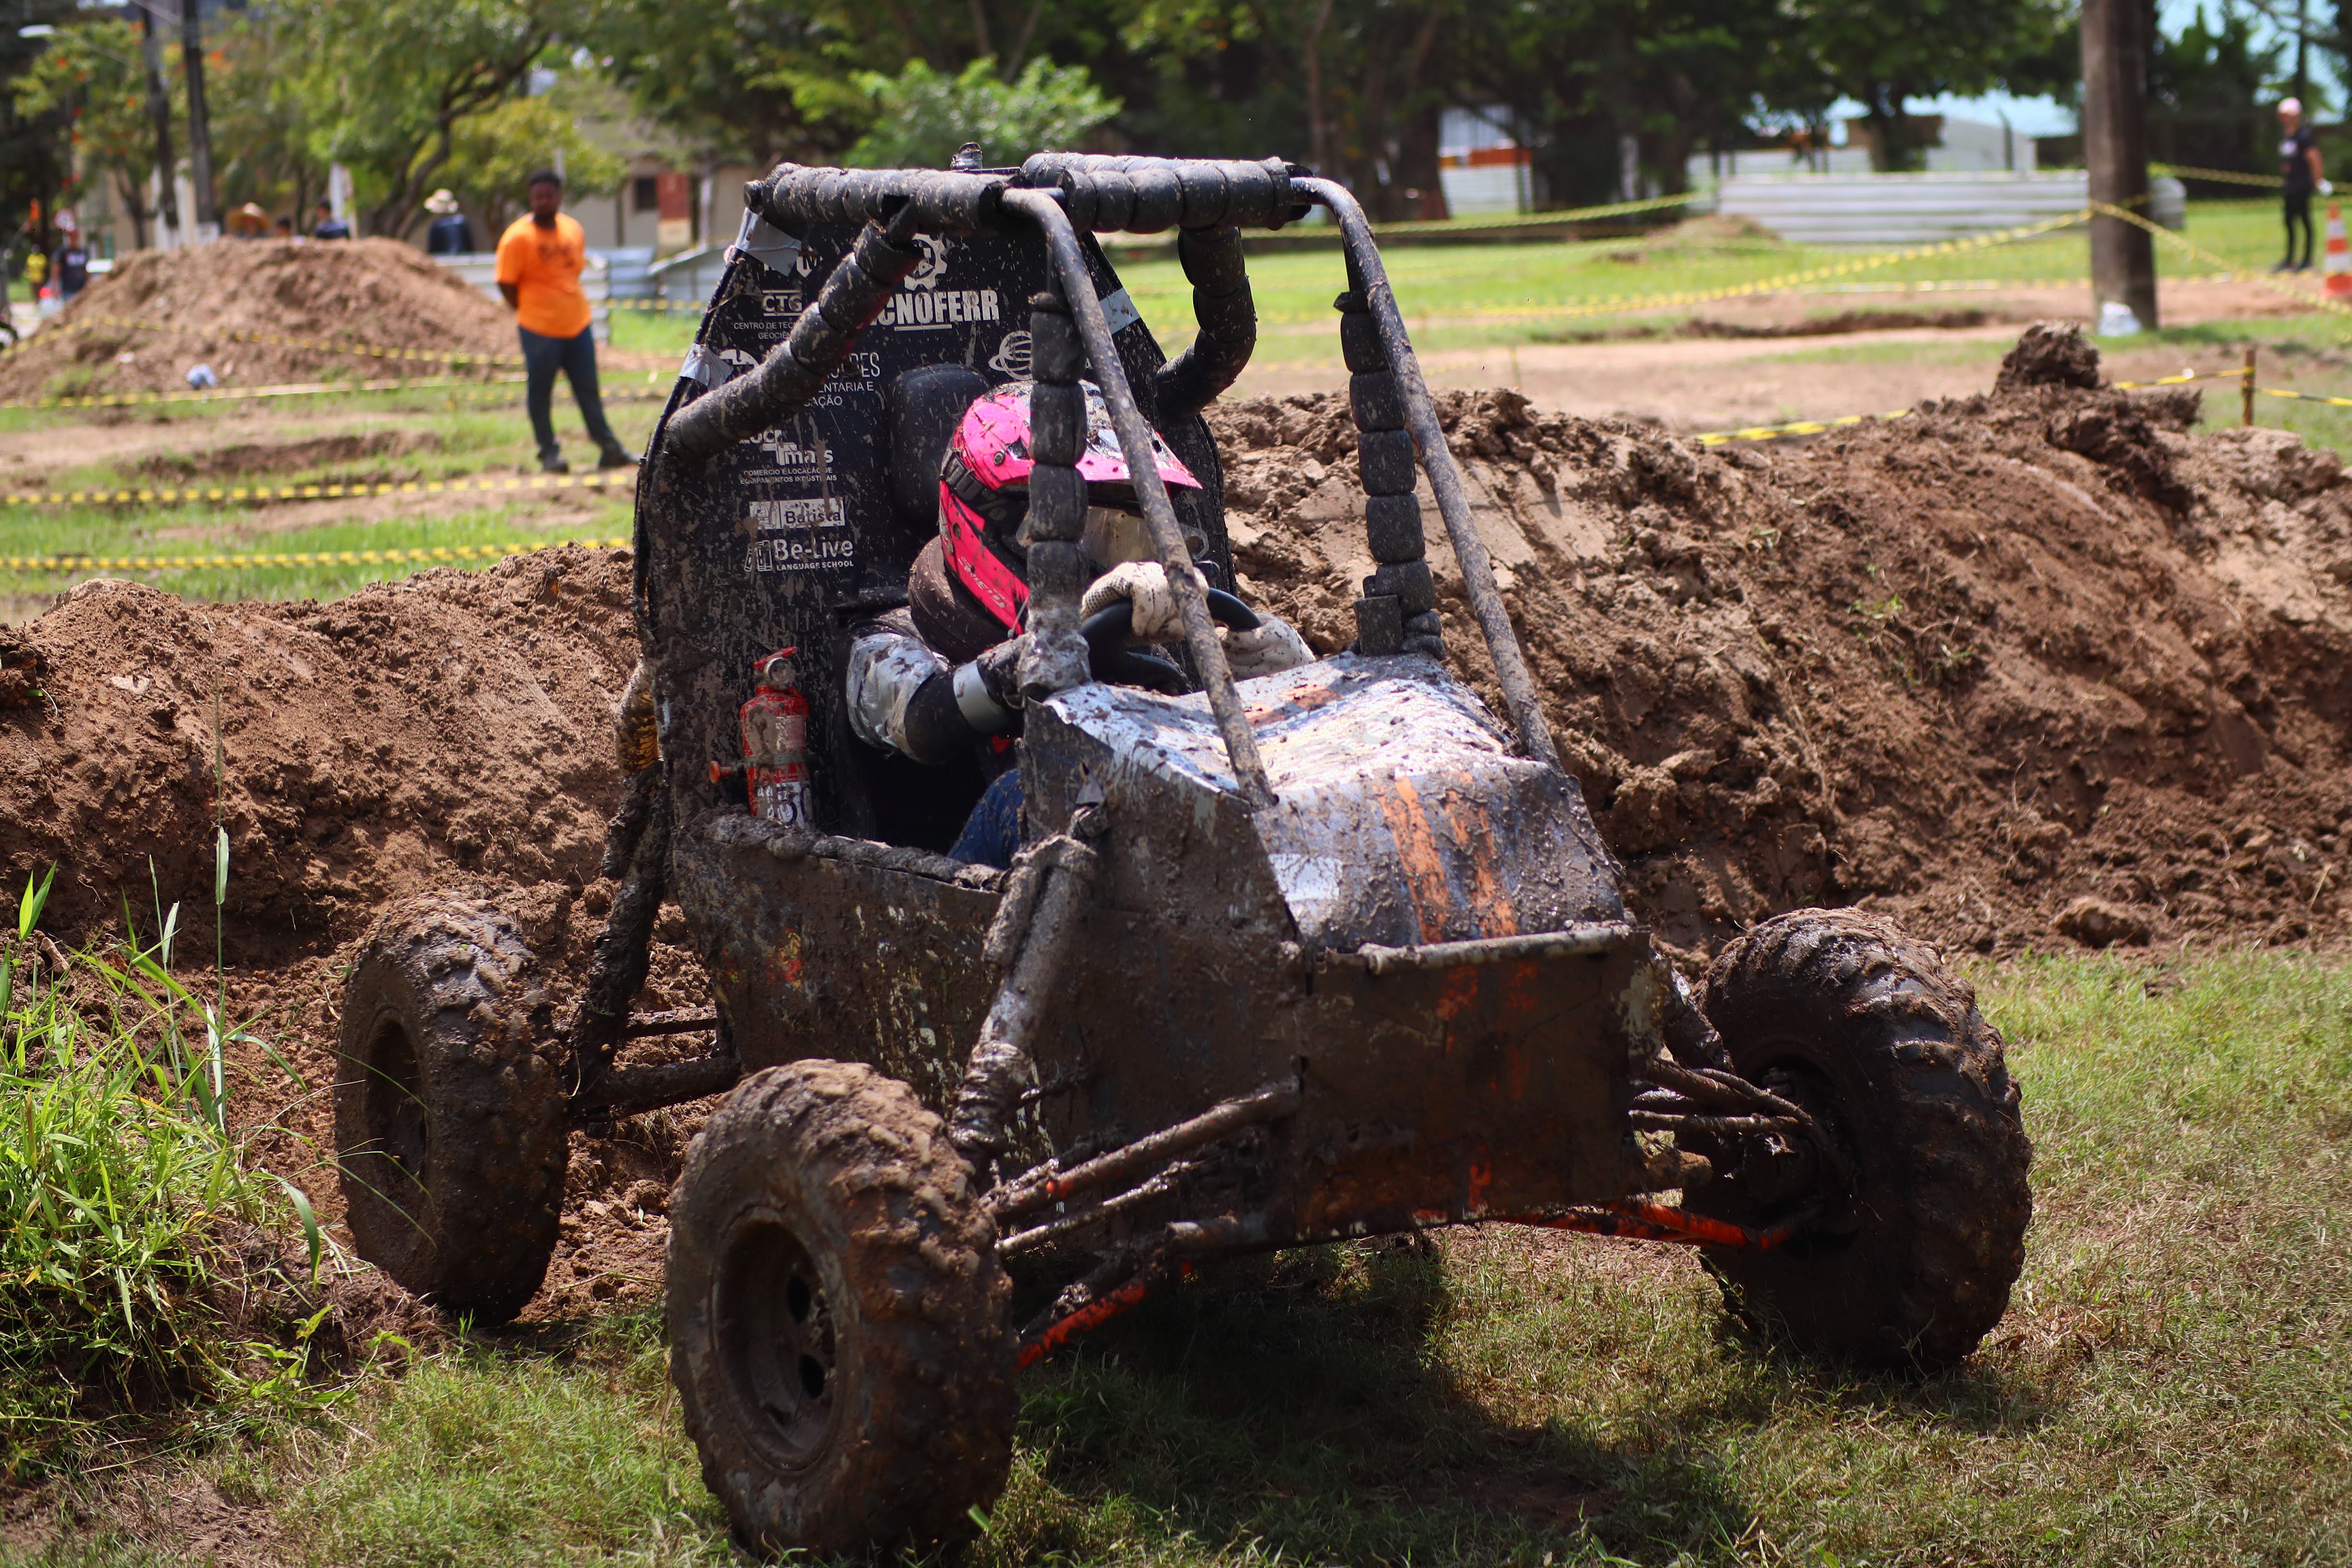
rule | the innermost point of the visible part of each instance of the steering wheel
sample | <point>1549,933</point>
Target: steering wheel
<point>1111,661</point>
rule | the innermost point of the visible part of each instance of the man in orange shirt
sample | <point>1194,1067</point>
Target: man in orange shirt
<point>539,258</point>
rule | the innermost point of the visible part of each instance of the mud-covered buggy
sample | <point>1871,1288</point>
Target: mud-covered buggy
<point>1328,953</point>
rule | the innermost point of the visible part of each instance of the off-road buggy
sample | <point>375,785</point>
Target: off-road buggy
<point>1325,954</point>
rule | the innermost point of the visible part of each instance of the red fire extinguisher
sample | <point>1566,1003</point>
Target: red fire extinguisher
<point>775,744</point>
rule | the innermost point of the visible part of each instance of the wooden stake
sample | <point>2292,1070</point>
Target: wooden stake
<point>2246,391</point>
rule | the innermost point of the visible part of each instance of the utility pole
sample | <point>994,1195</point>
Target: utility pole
<point>200,134</point>
<point>159,108</point>
<point>2303,57</point>
<point>2114,145</point>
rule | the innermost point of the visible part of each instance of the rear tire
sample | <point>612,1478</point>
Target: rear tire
<point>450,1125</point>
<point>840,1330</point>
<point>1842,1013</point>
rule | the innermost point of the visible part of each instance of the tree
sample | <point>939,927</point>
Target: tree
<point>1353,86</point>
<point>2208,89</point>
<point>91,73</point>
<point>1882,55</point>
<point>388,83</point>
<point>921,116</point>
<point>776,79</point>
<point>262,120</point>
<point>492,155</point>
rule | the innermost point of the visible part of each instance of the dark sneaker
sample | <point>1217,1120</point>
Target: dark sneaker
<point>615,458</point>
<point>553,466</point>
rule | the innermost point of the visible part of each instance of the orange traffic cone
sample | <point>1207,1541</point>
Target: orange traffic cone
<point>2339,254</point>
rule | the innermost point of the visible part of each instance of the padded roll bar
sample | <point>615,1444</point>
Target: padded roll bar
<point>1444,480</point>
<point>1167,534</point>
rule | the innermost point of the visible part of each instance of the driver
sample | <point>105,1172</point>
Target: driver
<point>940,678</point>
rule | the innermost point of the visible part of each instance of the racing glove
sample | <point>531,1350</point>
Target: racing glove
<point>1270,646</point>
<point>1144,585</point>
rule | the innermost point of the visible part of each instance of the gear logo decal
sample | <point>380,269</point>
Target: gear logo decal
<point>934,265</point>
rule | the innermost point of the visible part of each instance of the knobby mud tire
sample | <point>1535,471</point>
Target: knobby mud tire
<point>1842,1011</point>
<point>840,1330</point>
<point>449,1122</point>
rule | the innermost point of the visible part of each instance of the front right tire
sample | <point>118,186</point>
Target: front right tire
<point>1911,1260</point>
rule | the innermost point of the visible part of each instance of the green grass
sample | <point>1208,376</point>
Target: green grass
<point>441,439</point>
<point>2173,1384</point>
<point>129,1297</point>
<point>1466,295</point>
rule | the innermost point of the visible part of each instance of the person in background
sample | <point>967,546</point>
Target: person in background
<point>249,222</point>
<point>70,272</point>
<point>329,226</point>
<point>2299,167</point>
<point>285,227</point>
<point>450,234</point>
<point>540,260</point>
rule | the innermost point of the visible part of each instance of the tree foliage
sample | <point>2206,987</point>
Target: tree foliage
<point>91,75</point>
<point>411,95</point>
<point>493,154</point>
<point>388,84</point>
<point>1880,54</point>
<point>922,116</point>
<point>2209,95</point>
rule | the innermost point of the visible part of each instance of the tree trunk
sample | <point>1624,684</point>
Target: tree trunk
<point>134,202</point>
<point>200,134</point>
<point>159,108</point>
<point>1319,151</point>
<point>2114,146</point>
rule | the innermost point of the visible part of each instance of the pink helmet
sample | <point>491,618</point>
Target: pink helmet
<point>984,489</point>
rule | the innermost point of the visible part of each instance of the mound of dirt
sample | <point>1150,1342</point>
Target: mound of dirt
<point>218,300</point>
<point>2035,668</point>
<point>1975,666</point>
<point>454,725</point>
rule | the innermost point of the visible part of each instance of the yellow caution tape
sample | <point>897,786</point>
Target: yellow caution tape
<point>318,492</point>
<point>2304,397</point>
<point>480,391</point>
<point>2317,301</point>
<point>302,558</point>
<point>278,339</point>
<point>1628,304</point>
<point>1816,427</point>
<point>2226,176</point>
<point>242,393</point>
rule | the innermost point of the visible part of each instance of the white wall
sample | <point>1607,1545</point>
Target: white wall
<point>1917,209</point>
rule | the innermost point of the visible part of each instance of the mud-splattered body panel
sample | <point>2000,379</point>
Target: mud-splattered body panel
<point>1205,970</point>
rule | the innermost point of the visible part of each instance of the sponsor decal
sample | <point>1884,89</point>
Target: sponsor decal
<point>934,265</point>
<point>804,511</point>
<point>812,459</point>
<point>782,302</point>
<point>1013,356</point>
<point>789,553</point>
<point>940,309</point>
<point>806,533</point>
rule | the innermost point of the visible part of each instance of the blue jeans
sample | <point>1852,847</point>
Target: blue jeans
<point>992,834</point>
<point>577,358</point>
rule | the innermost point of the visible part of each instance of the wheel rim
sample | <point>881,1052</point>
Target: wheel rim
<point>776,1340</point>
<point>1790,1069</point>
<point>400,1132</point>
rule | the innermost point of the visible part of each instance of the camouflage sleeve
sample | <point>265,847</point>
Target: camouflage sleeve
<point>887,665</point>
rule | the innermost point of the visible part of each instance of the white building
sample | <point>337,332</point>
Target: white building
<point>1481,165</point>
